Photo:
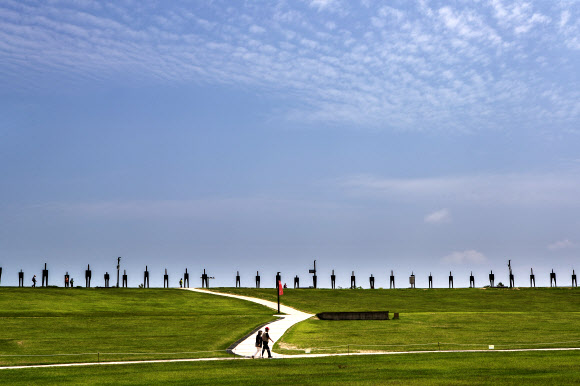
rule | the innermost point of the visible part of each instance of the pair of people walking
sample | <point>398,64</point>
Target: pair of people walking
<point>262,343</point>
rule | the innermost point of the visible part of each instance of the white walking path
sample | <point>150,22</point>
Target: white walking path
<point>246,347</point>
<point>292,316</point>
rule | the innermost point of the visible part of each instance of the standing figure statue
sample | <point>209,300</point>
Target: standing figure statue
<point>45,275</point>
<point>553,277</point>
<point>332,280</point>
<point>88,276</point>
<point>146,278</point>
<point>314,277</point>
<point>512,283</point>
<point>118,269</point>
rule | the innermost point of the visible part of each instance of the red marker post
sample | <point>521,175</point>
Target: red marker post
<point>280,291</point>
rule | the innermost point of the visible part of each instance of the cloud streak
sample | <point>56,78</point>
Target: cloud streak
<point>485,189</point>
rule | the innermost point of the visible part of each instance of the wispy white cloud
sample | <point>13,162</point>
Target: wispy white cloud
<point>465,257</point>
<point>460,68</point>
<point>561,244</point>
<point>322,4</point>
<point>256,29</point>
<point>440,216</point>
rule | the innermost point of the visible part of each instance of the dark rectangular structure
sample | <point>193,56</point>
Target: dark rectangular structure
<point>372,315</point>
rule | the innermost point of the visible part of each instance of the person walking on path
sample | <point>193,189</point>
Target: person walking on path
<point>258,344</point>
<point>34,281</point>
<point>180,283</point>
<point>265,340</point>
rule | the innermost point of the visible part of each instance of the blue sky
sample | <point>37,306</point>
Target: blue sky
<point>422,136</point>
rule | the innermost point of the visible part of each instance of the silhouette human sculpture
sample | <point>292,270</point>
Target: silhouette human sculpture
<point>553,277</point>
<point>392,280</point>
<point>532,278</point>
<point>146,278</point>
<point>430,280</point>
<point>352,281</point>
<point>512,283</point>
<point>332,279</point>
<point>372,281</point>
<point>257,279</point>
<point>296,282</point>
<point>88,275</point>
<point>45,276</point>
<point>314,277</point>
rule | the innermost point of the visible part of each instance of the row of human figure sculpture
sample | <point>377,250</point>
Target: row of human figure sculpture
<point>184,281</point>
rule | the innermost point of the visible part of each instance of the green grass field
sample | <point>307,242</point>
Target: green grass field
<point>521,368</point>
<point>48,321</point>
<point>40,321</point>
<point>432,319</point>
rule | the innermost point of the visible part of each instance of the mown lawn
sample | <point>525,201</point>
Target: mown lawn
<point>497,368</point>
<point>432,319</point>
<point>120,324</point>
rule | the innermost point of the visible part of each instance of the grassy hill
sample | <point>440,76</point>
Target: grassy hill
<point>114,321</point>
<point>432,319</point>
<point>57,321</point>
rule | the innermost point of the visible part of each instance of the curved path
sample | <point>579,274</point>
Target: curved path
<point>278,327</point>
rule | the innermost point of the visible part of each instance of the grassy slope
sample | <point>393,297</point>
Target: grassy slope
<point>557,368</point>
<point>424,300</point>
<point>37,321</point>
<point>460,318</point>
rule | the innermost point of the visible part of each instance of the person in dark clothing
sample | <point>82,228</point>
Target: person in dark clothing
<point>34,281</point>
<point>265,340</point>
<point>258,344</point>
